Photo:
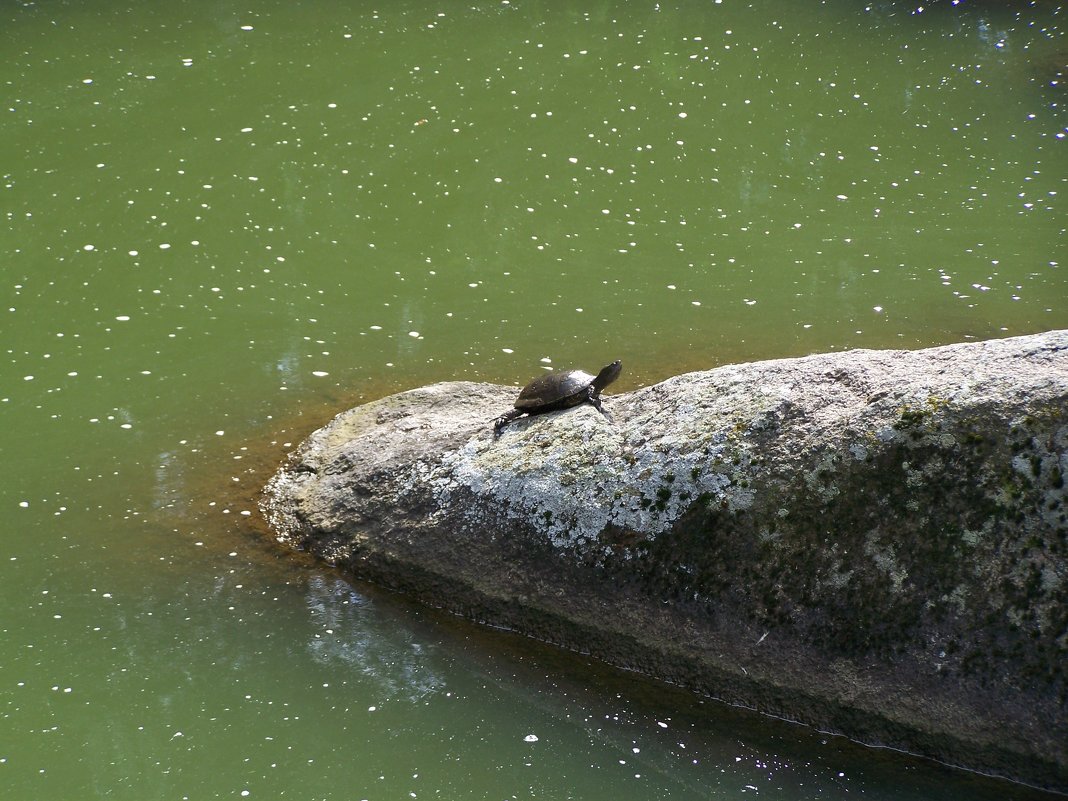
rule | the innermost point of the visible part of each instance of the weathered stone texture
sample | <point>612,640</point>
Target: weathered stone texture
<point>873,542</point>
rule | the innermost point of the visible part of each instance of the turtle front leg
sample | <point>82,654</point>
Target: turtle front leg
<point>595,400</point>
<point>504,419</point>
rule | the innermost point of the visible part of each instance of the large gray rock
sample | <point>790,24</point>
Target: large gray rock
<point>871,542</point>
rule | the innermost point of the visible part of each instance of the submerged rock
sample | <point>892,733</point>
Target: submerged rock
<point>871,542</point>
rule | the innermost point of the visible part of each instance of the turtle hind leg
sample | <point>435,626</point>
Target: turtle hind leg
<point>504,419</point>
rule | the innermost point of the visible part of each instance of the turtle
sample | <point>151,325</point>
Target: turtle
<point>561,389</point>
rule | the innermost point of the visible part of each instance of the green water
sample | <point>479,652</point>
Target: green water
<point>223,223</point>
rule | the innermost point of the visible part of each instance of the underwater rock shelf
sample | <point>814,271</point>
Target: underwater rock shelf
<point>872,542</point>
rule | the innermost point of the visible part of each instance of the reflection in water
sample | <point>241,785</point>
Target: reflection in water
<point>349,635</point>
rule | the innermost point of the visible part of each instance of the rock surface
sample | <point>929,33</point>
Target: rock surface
<point>873,542</point>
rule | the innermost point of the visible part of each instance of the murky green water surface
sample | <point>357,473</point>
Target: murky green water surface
<point>223,223</point>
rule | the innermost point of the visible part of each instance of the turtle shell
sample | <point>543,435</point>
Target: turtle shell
<point>556,390</point>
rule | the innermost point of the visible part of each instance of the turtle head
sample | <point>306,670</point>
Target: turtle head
<point>607,375</point>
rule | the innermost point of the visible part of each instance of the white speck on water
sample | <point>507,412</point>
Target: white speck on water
<point>497,180</point>
<point>331,105</point>
<point>126,426</point>
<point>89,247</point>
<point>320,373</point>
<point>661,724</point>
<point>682,115</point>
<point>164,246</point>
<point>507,350</point>
<point>24,504</point>
<point>372,708</point>
<point>376,328</point>
<point>219,433</point>
<point>246,27</point>
<point>530,738</point>
<point>27,378</point>
<point>133,253</point>
<point>877,309</point>
<point>413,334</point>
<point>87,80</point>
<point>573,160</point>
<point>246,130</point>
<point>123,318</point>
